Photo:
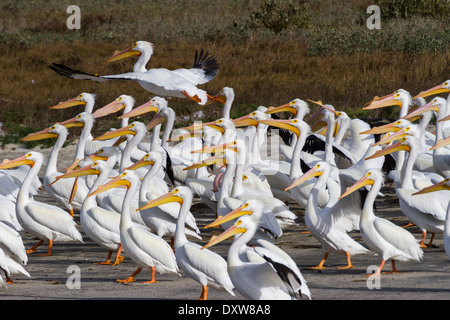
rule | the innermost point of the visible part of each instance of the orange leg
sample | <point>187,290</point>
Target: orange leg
<point>349,262</point>
<point>410,224</point>
<point>422,241</point>
<point>204,295</point>
<point>430,244</point>
<point>33,248</point>
<point>119,258</point>
<point>108,259</point>
<point>320,266</point>
<point>394,269</point>
<point>130,278</point>
<point>9,280</point>
<point>49,251</point>
<point>152,280</point>
<point>378,272</point>
<point>194,98</point>
<point>71,212</point>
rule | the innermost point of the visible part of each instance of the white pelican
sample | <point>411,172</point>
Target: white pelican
<point>330,224</point>
<point>442,185</point>
<point>43,221</point>
<point>180,83</point>
<point>100,225</point>
<point>380,235</point>
<point>11,245</point>
<point>204,266</point>
<point>426,211</point>
<point>401,98</point>
<point>263,248</point>
<point>146,249</point>
<point>268,280</point>
<point>62,191</point>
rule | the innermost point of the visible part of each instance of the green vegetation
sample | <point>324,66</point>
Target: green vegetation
<point>269,51</point>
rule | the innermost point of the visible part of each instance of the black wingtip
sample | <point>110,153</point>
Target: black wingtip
<point>208,64</point>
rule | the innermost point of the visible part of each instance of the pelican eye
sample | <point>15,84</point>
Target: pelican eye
<point>120,99</point>
<point>397,95</point>
<point>123,174</point>
<point>292,103</point>
<point>176,190</point>
<point>100,151</point>
<point>53,128</point>
<point>78,116</point>
<point>80,96</point>
<point>294,121</point>
<point>95,164</point>
<point>244,177</point>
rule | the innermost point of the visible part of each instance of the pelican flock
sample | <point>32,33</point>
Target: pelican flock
<point>132,190</point>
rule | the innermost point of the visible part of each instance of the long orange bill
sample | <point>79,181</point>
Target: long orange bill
<point>443,185</point>
<point>435,90</point>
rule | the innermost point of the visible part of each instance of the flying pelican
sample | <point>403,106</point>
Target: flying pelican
<point>266,280</point>
<point>100,225</point>
<point>180,83</point>
<point>62,191</point>
<point>43,221</point>
<point>204,266</point>
<point>380,235</point>
<point>330,224</point>
<point>146,249</point>
<point>442,185</point>
<point>263,248</point>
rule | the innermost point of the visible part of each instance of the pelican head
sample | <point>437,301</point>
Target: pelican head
<point>369,178</point>
<point>82,99</point>
<point>179,194</point>
<point>137,49</point>
<point>153,105</point>
<point>52,132</point>
<point>319,169</point>
<point>248,208</point>
<point>115,106</point>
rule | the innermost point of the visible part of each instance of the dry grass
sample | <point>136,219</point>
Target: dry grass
<point>263,68</point>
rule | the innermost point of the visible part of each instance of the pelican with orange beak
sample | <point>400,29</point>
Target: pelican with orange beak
<point>204,266</point>
<point>385,238</point>
<point>146,249</point>
<point>42,220</point>
<point>180,83</point>
<point>100,225</point>
<point>69,193</point>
